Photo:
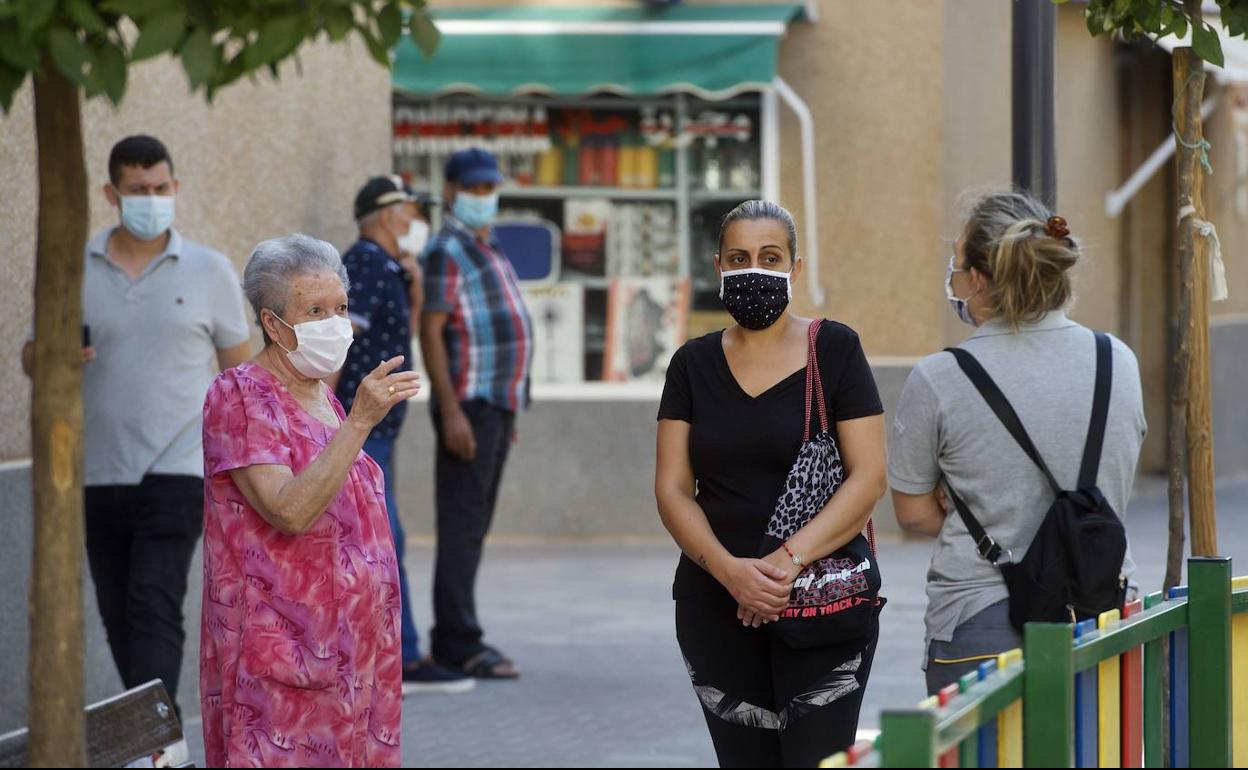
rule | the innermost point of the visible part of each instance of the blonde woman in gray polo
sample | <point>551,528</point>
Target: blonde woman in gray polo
<point>1009,277</point>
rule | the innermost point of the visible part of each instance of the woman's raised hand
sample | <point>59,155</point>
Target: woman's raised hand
<point>381,390</point>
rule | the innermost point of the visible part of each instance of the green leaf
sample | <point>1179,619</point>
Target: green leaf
<point>159,34</point>
<point>19,53</point>
<point>135,9</point>
<point>424,33</point>
<point>108,67</point>
<point>38,14</point>
<point>1148,15</point>
<point>200,58</point>
<point>1121,9</point>
<point>69,53</point>
<point>1206,43</point>
<point>338,21</point>
<point>379,52</point>
<point>11,79</point>
<point>278,37</point>
<point>390,24</point>
<point>232,71</point>
<point>1236,20</point>
<point>1180,24</point>
<point>85,16</point>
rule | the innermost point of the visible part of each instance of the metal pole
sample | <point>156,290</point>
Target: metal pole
<point>1035,168</point>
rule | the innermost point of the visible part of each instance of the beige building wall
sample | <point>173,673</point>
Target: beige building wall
<point>976,132</point>
<point>1223,192</point>
<point>1088,160</point>
<point>878,163</point>
<point>267,158</point>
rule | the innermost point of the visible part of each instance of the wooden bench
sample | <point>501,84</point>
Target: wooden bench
<point>132,726</point>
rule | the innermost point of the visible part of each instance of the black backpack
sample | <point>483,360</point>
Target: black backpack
<point>1073,568</point>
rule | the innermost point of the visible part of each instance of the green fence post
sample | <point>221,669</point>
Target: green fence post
<point>1209,661</point>
<point>1154,700</point>
<point>1049,695</point>
<point>908,738</point>
<point>968,751</point>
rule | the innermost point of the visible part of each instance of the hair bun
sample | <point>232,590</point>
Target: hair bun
<point>1056,227</point>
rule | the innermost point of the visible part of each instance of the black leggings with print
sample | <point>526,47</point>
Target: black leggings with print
<point>767,704</point>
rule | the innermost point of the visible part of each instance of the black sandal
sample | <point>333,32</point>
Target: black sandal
<point>490,664</point>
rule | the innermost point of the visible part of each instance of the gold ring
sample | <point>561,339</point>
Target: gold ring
<point>391,389</point>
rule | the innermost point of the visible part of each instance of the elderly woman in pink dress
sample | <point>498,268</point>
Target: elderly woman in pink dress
<point>299,657</point>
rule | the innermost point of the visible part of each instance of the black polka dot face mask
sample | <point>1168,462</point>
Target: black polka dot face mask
<point>755,298</point>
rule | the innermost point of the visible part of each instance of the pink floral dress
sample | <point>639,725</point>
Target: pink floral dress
<point>299,659</point>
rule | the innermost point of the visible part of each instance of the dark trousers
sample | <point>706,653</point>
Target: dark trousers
<point>140,541</point>
<point>466,496</point>
<point>381,449</point>
<point>979,639</point>
<point>767,704</point>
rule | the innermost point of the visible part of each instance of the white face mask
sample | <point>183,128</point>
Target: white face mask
<point>413,241</point>
<point>147,217</point>
<point>321,346</point>
<point>960,306</point>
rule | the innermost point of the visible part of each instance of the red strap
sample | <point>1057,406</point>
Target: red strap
<point>814,386</point>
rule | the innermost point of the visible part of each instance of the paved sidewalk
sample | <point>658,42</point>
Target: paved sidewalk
<point>591,626</point>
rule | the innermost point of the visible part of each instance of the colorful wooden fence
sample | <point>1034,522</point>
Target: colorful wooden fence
<point>1091,695</point>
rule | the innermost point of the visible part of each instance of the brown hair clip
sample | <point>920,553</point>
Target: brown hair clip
<point>1056,227</point>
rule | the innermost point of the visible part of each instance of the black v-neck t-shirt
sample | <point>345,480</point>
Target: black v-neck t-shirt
<point>741,448</point>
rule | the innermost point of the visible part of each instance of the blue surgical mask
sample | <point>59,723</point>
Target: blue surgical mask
<point>476,211</point>
<point>147,217</point>
<point>960,306</point>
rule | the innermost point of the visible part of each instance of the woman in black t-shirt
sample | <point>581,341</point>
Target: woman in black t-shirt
<point>730,427</point>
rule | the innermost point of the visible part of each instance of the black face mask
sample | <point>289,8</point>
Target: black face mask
<point>755,298</point>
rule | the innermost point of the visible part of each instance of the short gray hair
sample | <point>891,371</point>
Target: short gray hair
<point>275,262</point>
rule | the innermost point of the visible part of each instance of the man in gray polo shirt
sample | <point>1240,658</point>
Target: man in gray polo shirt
<point>164,316</point>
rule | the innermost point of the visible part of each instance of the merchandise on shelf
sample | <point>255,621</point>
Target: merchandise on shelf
<point>642,241</point>
<point>646,321</point>
<point>611,183</point>
<point>585,235</point>
<point>558,314</point>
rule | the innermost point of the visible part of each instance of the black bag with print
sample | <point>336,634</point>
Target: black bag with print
<point>836,598</point>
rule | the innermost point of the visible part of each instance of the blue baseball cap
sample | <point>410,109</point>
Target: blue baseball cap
<point>473,166</point>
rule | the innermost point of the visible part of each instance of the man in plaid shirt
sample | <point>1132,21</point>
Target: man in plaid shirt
<point>477,341</point>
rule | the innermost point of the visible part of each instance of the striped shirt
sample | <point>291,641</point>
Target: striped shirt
<point>489,336</point>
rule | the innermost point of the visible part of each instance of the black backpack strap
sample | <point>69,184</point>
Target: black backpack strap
<point>1001,407</point>
<point>984,543</point>
<point>1100,412</point>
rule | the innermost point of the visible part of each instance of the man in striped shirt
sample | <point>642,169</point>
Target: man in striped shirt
<point>477,341</point>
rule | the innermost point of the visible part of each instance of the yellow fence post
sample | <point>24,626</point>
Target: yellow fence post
<point>1239,681</point>
<point>1109,707</point>
<point>1010,720</point>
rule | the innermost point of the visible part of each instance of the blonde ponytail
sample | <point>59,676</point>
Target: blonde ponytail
<point>1027,264</point>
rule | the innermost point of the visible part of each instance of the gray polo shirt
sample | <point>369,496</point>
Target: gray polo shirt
<point>943,430</point>
<point>156,341</point>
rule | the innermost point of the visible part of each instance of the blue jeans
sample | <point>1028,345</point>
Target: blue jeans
<point>382,451</point>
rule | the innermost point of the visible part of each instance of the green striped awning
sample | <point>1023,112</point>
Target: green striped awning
<point>712,51</point>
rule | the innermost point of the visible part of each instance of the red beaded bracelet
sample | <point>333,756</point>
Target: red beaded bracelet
<point>792,555</point>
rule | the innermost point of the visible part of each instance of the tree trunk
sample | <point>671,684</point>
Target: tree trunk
<point>1189,89</point>
<point>1185,63</point>
<point>56,636</point>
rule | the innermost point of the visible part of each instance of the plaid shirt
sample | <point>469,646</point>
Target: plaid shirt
<point>489,336</point>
